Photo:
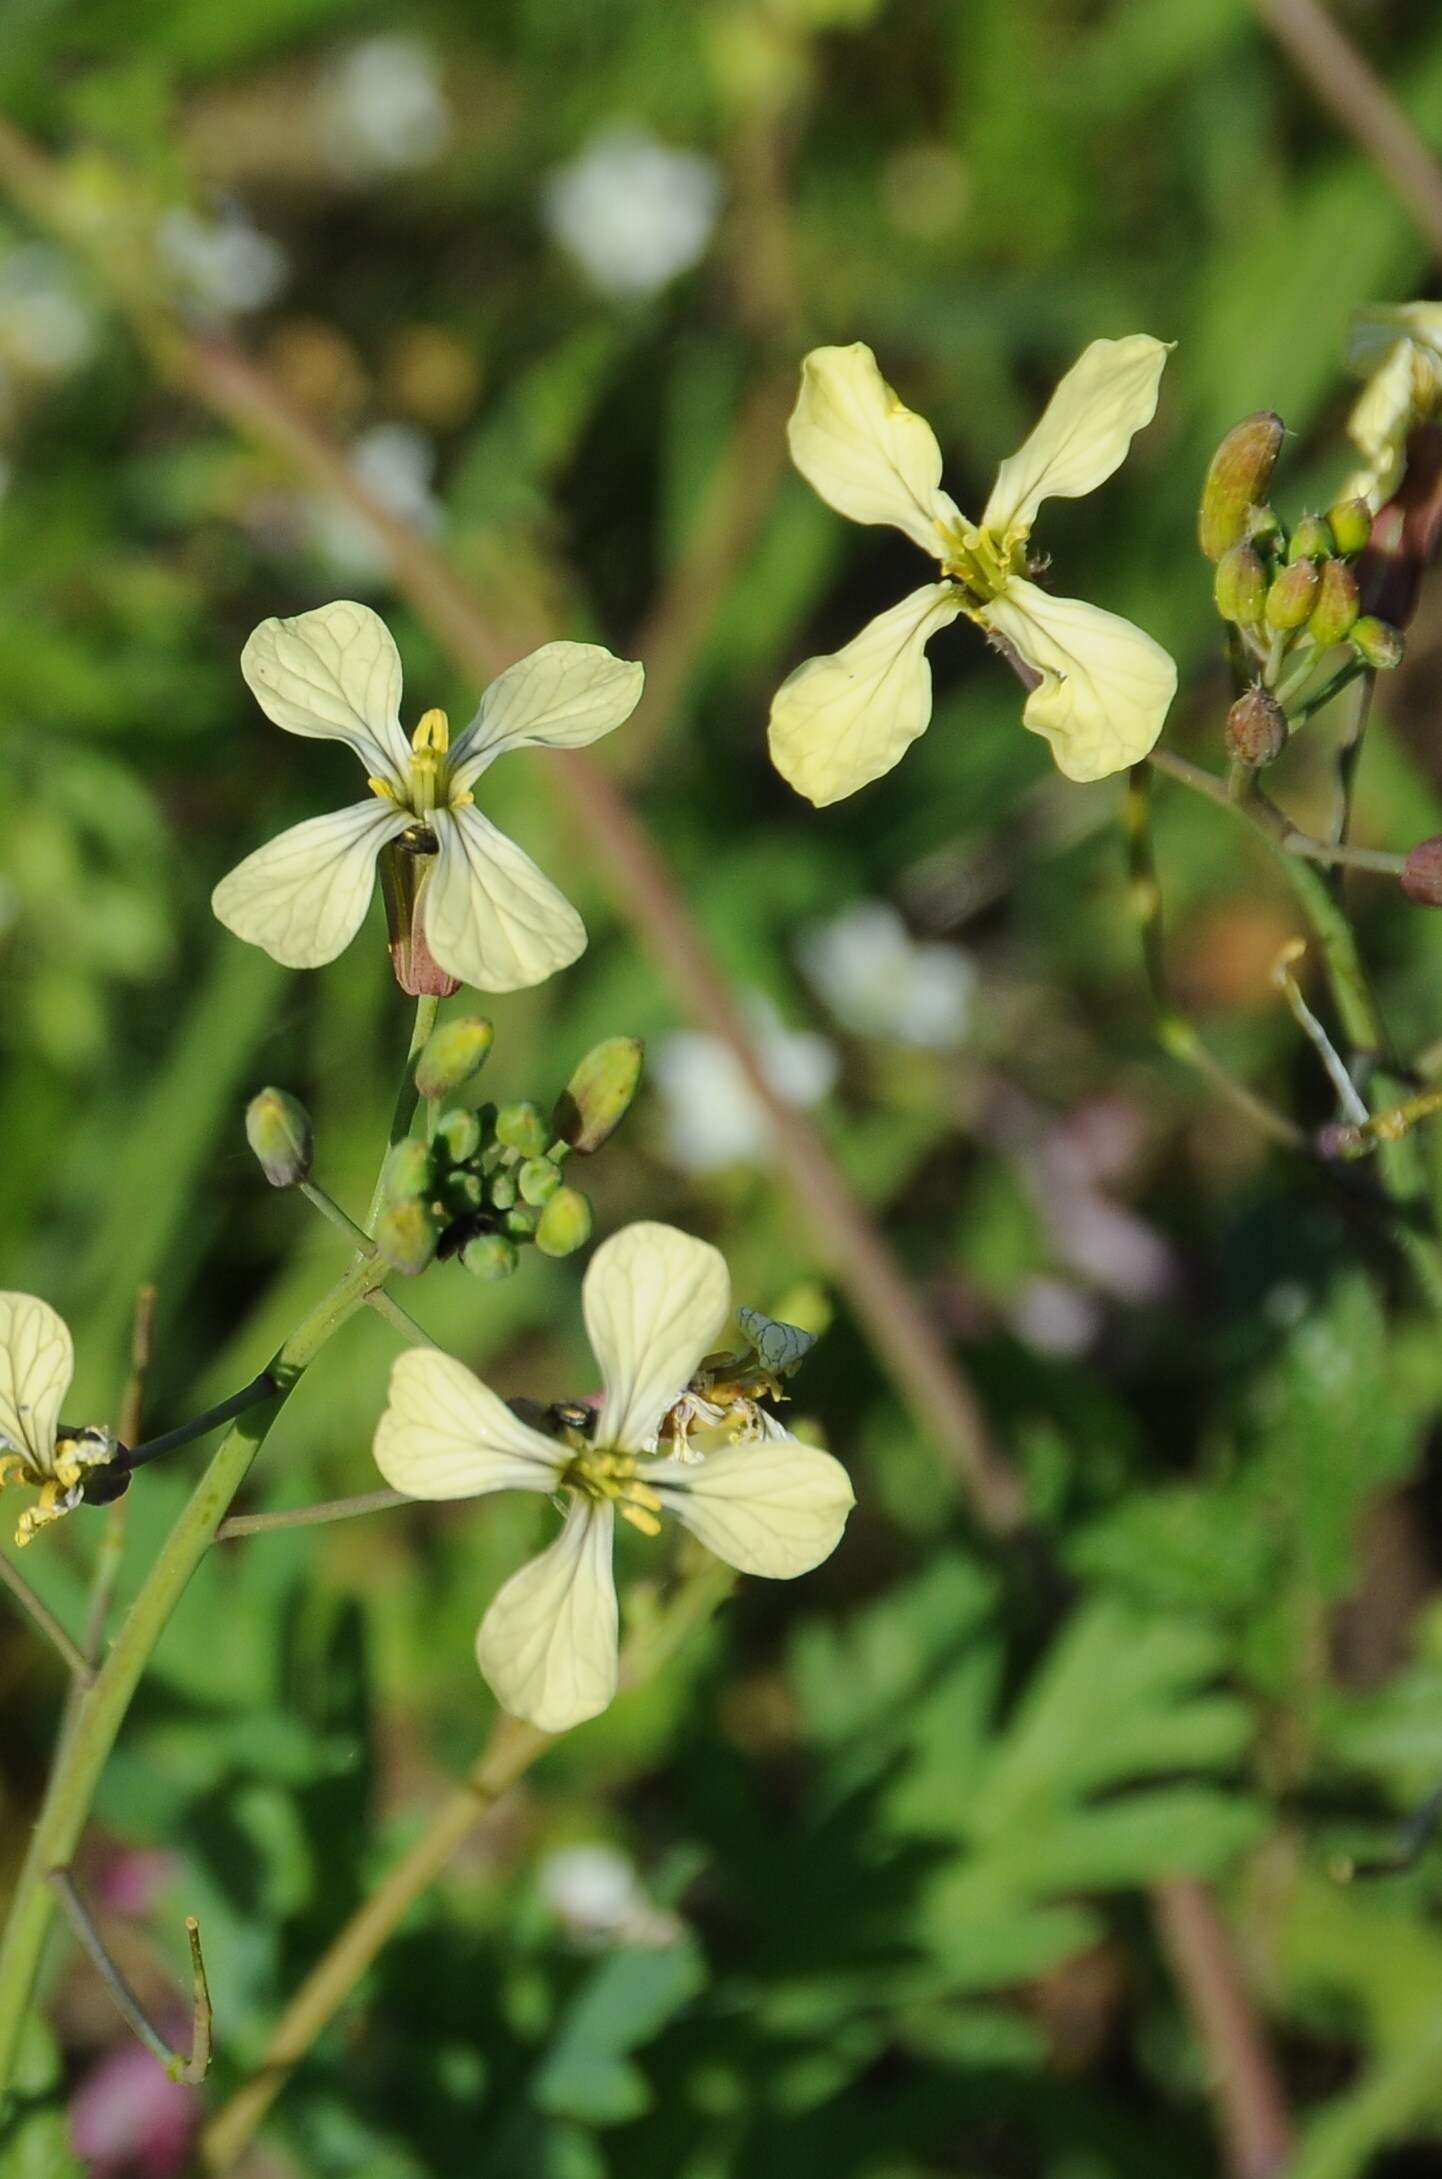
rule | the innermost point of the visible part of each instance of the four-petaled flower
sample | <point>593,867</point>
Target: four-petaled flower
<point>485,912</point>
<point>37,1362</point>
<point>1099,688</point>
<point>655,1303</point>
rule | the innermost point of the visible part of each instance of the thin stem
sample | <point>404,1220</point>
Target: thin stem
<point>39,1612</point>
<point>330,1509</point>
<point>384,1304</point>
<point>407,1096</point>
<point>110,1554</point>
<point>389,1310</point>
<point>1264,817</point>
<point>331,1211</point>
<point>261,1387</point>
<point>1256,2124</point>
<point>1363,1135</point>
<point>191,2069</point>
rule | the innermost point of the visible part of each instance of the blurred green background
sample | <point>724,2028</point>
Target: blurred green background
<point>864,1884</point>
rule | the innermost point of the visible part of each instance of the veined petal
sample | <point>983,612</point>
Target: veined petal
<point>1382,416</point>
<point>491,917</point>
<point>655,1300</point>
<point>304,895</point>
<point>564,696</point>
<point>333,675</point>
<point>867,454</point>
<point>1105,685</point>
<point>1372,332</point>
<point>547,1646</point>
<point>444,1434</point>
<point>842,720</point>
<point>37,1362</point>
<point>1107,396</point>
<point>776,1508</point>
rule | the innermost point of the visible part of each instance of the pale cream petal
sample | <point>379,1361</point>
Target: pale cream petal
<point>547,1646</point>
<point>333,675</point>
<point>655,1301</point>
<point>304,895</point>
<point>1374,331</point>
<point>776,1508</point>
<point>1382,416</point>
<point>1107,396</point>
<point>37,1362</point>
<point>864,451</point>
<point>444,1434</point>
<point>491,917</point>
<point>842,720</point>
<point>564,696</point>
<point>1105,686</point>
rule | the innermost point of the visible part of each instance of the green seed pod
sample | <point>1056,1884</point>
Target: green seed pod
<point>520,1127</point>
<point>1335,611</point>
<point>502,1191</point>
<point>1240,585</point>
<point>407,1235</point>
<point>1256,728</point>
<point>454,1055</point>
<point>1237,480</point>
<point>278,1129</point>
<point>490,1257</point>
<point>538,1180</point>
<point>458,1134</point>
<point>565,1223</point>
<point>1292,595</point>
<point>1351,524</point>
<point>410,1170</point>
<point>599,1093</point>
<point>1312,539</point>
<point>521,1223</point>
<point>1377,643</point>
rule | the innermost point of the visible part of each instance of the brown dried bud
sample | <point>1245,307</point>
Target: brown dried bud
<point>1292,595</point>
<point>1336,608</point>
<point>1237,480</point>
<point>1256,728</point>
<point>1421,876</point>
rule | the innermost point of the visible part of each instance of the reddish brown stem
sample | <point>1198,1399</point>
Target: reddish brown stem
<point>1255,2122</point>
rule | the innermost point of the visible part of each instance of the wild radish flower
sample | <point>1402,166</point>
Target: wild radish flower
<point>383,109</point>
<point>655,1303</point>
<point>1399,353</point>
<point>881,982</point>
<point>713,1117</point>
<point>37,1362</point>
<point>479,905</point>
<point>632,212</point>
<point>1099,688</point>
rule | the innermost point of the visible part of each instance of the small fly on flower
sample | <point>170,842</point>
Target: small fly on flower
<point>37,1362</point>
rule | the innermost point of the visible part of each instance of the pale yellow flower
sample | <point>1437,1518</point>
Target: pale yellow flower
<point>656,1301</point>
<point>1101,687</point>
<point>37,1362</point>
<point>1399,353</point>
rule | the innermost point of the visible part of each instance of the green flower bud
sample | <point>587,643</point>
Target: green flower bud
<point>1256,728</point>
<point>1351,524</point>
<point>538,1180</point>
<point>565,1223</point>
<point>503,1191</point>
<point>1336,608</point>
<point>599,1093</point>
<point>458,1134</point>
<point>1312,539</point>
<point>278,1129</point>
<point>490,1256</point>
<point>520,1127</point>
<point>1421,876</point>
<point>1376,643</point>
<point>1240,585</point>
<point>407,1235</point>
<point>1264,526</point>
<point>463,1192</point>
<point>410,1170</point>
<point>521,1223</point>
<point>454,1055</point>
<point>1237,480</point>
<point>1292,595</point>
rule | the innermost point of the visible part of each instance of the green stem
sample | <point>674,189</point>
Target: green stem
<point>407,1096</point>
<point>42,1616</point>
<point>102,1709</point>
<point>331,1509</point>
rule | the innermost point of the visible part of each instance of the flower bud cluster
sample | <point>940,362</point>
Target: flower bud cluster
<point>487,1179</point>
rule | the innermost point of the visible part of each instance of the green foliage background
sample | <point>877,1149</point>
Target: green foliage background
<point>905,1814</point>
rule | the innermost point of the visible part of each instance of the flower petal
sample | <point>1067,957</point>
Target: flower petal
<point>1105,686</point>
<point>547,1646</point>
<point>776,1508</point>
<point>37,1362</point>
<point>842,720</point>
<point>1107,396</point>
<point>564,696</point>
<point>333,675</point>
<point>444,1434</point>
<point>864,451</point>
<point>304,895</point>
<point>491,917</point>
<point>1381,418</point>
<point>1372,333</point>
<point>655,1301</point>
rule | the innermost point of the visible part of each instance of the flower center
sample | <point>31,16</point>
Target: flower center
<point>982,561</point>
<point>61,1481</point>
<point>602,1472</point>
<point>427,771</point>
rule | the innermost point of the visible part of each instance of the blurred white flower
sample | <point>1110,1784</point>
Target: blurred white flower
<point>382,108</point>
<point>879,981</point>
<point>596,1894</point>
<point>224,264</point>
<point>712,1116</point>
<point>47,329</point>
<point>397,464</point>
<point>1053,1317</point>
<point>633,212</point>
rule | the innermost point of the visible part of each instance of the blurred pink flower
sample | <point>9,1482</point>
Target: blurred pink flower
<point>129,2120</point>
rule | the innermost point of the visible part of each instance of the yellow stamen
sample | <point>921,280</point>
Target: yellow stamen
<point>433,734</point>
<point>639,1518</point>
<point>383,788</point>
